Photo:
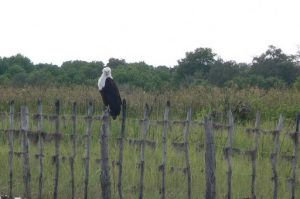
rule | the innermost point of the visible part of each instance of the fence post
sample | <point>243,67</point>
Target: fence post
<point>210,160</point>
<point>105,176</point>
<point>145,125</point>
<point>164,142</point>
<point>74,139</point>
<point>295,137</point>
<point>187,152</point>
<point>25,146</point>
<point>228,153</point>
<point>41,146</point>
<point>11,146</point>
<point>122,137</point>
<point>254,155</point>
<point>88,143</point>
<point>274,156</point>
<point>57,148</point>
<point>2,115</point>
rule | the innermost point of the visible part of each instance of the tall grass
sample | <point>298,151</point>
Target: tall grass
<point>201,99</point>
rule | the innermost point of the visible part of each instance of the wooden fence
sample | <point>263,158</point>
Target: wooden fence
<point>41,137</point>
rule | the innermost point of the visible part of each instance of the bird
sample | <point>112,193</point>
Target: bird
<point>110,93</point>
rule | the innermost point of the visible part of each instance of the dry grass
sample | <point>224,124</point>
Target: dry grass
<point>201,99</point>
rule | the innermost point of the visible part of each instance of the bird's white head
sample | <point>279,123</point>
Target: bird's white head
<point>106,71</point>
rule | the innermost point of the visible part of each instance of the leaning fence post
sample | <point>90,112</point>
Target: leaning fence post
<point>274,156</point>
<point>164,158</point>
<point>74,139</point>
<point>88,143</point>
<point>295,137</point>
<point>41,146</point>
<point>105,176</point>
<point>25,145</point>
<point>210,160</point>
<point>187,152</point>
<point>11,146</point>
<point>122,137</point>
<point>145,125</point>
<point>57,148</point>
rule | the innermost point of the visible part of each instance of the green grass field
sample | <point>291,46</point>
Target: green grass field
<point>176,181</point>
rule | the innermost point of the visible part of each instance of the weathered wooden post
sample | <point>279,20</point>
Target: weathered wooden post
<point>274,156</point>
<point>2,117</point>
<point>88,143</point>
<point>41,146</point>
<point>11,146</point>
<point>187,152</point>
<point>210,160</point>
<point>295,137</point>
<point>142,143</point>
<point>105,175</point>
<point>254,155</point>
<point>25,146</point>
<point>74,140</point>
<point>121,139</point>
<point>228,153</point>
<point>145,128</point>
<point>56,158</point>
<point>164,142</point>
<point>185,148</point>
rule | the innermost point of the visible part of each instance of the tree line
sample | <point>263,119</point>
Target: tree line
<point>271,69</point>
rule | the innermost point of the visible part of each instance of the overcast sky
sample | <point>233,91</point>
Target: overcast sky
<point>158,32</point>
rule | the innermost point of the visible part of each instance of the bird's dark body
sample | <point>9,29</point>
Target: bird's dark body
<point>111,97</point>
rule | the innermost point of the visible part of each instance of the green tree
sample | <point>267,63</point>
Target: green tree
<point>221,72</point>
<point>80,72</point>
<point>3,66</point>
<point>199,60</point>
<point>140,75</point>
<point>114,62</point>
<point>22,61</point>
<point>19,79</point>
<point>92,70</point>
<point>71,72</point>
<point>15,69</point>
<point>41,78</point>
<point>274,63</point>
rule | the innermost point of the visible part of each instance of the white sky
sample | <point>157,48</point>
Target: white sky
<point>158,32</point>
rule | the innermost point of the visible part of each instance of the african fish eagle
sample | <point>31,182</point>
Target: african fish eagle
<point>109,92</point>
